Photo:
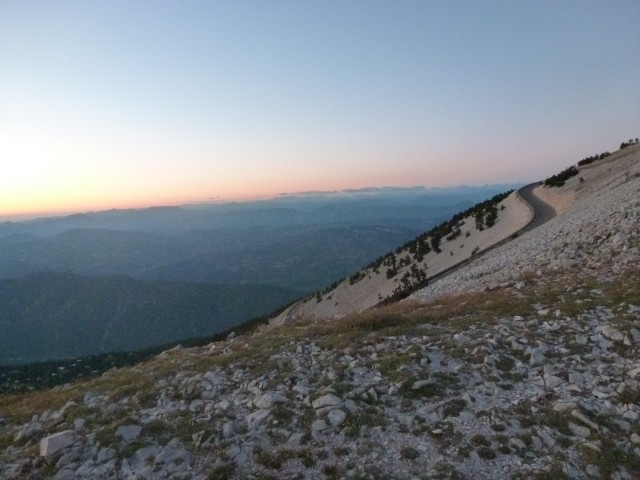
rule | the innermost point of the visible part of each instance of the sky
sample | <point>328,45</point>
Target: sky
<point>119,104</point>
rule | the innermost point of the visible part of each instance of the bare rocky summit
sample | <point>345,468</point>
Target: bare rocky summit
<point>522,364</point>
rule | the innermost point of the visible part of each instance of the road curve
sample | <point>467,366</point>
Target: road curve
<point>542,211</point>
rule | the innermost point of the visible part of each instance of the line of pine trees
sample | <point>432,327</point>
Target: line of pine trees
<point>485,214</point>
<point>559,179</point>
<point>628,143</point>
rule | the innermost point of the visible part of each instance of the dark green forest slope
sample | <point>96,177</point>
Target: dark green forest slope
<point>56,315</point>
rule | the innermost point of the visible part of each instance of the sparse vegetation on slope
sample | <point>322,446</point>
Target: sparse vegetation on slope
<point>522,375</point>
<point>559,179</point>
<point>410,266</point>
<point>593,158</point>
<point>629,143</point>
<point>485,214</point>
<point>465,364</point>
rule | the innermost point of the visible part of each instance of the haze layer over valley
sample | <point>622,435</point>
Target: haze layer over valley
<point>124,280</point>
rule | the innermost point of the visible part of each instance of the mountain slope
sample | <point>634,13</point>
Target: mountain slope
<point>418,260</point>
<point>526,364</point>
<point>596,219</point>
<point>51,315</point>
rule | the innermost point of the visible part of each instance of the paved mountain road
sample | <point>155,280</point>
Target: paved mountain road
<point>543,212</point>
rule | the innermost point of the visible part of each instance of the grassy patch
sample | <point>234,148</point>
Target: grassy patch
<point>427,390</point>
<point>557,420</point>
<point>409,453</point>
<point>454,407</point>
<point>629,395</point>
<point>389,365</point>
<point>480,440</point>
<point>272,460</point>
<point>445,435</point>
<point>367,417</point>
<point>611,458</point>
<point>306,457</point>
<point>505,364</point>
<point>222,472</point>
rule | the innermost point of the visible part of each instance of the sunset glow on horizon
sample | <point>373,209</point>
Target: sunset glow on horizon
<point>133,104</point>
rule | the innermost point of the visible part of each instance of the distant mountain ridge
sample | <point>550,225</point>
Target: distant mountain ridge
<point>290,210</point>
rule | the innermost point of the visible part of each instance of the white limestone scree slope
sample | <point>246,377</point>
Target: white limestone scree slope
<point>523,363</point>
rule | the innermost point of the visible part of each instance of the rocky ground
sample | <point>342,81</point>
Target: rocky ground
<point>525,365</point>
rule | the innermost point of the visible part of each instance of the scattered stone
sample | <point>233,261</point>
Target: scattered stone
<point>128,433</point>
<point>269,399</point>
<point>336,417</point>
<point>257,418</point>
<point>563,405</point>
<point>578,415</point>
<point>536,357</point>
<point>579,431</point>
<point>328,400</point>
<point>612,333</point>
<point>52,444</point>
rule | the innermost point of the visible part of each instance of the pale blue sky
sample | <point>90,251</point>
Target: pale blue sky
<point>132,103</point>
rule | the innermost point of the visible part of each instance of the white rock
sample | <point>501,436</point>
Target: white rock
<point>576,378</point>
<point>318,426</point>
<point>546,437</point>
<point>461,338</point>
<point>223,405</point>
<point>537,357</point>
<point>517,443</point>
<point>578,415</point>
<point>301,389</point>
<point>214,378</point>
<point>328,400</point>
<point>257,418</point>
<point>197,438</point>
<point>612,333</point>
<point>599,394</point>
<point>552,381</point>
<point>58,441</point>
<point>579,431</point>
<point>128,433</point>
<point>592,471</point>
<point>336,417</point>
<point>417,385</point>
<point>228,430</point>
<point>561,406</point>
<point>635,372</point>
<point>269,399</point>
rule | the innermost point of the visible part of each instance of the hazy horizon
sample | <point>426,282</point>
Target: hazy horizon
<point>130,105</point>
<point>282,195</point>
